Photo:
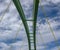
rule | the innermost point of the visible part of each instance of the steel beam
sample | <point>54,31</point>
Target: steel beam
<point>22,15</point>
<point>35,12</point>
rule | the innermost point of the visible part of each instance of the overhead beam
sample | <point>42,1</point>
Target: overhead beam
<point>35,12</point>
<point>22,15</point>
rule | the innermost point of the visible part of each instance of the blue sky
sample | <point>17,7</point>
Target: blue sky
<point>11,22</point>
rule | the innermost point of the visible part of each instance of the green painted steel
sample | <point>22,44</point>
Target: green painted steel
<point>31,39</point>
<point>22,15</point>
<point>29,20</point>
<point>35,12</point>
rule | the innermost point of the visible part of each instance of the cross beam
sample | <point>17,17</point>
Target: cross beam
<point>30,36</point>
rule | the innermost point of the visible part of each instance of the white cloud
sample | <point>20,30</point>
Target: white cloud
<point>3,46</point>
<point>11,21</point>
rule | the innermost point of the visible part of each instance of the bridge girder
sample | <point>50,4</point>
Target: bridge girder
<point>22,15</point>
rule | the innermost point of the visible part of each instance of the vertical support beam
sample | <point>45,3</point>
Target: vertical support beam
<point>36,3</point>
<point>22,15</point>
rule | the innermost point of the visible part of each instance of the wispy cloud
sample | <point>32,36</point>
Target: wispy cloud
<point>12,21</point>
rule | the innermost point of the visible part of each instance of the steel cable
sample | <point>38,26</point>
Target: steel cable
<point>41,37</point>
<point>3,17</point>
<point>16,37</point>
<point>5,11</point>
<point>49,24</point>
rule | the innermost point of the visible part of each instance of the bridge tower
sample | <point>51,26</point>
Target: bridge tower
<point>30,36</point>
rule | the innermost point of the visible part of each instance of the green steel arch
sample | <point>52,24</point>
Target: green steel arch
<point>31,39</point>
<point>24,20</point>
